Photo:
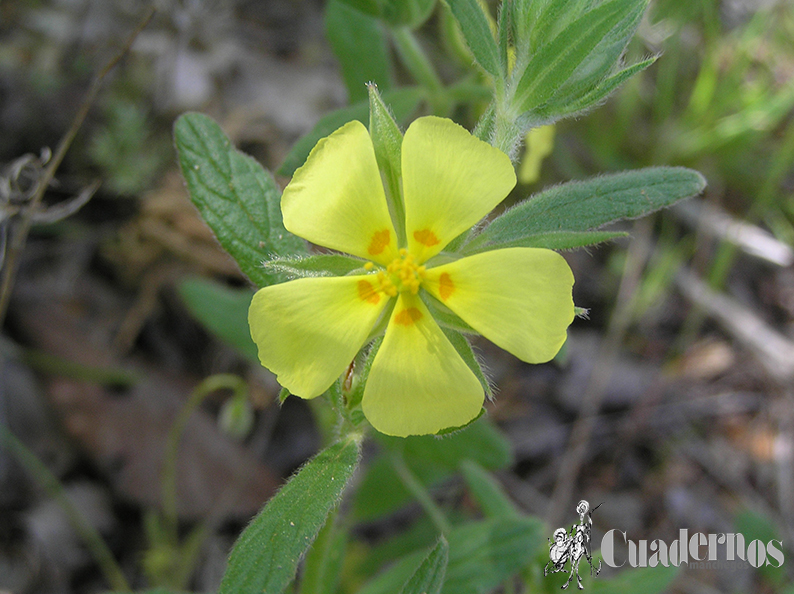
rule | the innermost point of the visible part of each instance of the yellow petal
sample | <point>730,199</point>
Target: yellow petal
<point>451,180</point>
<point>336,198</point>
<point>518,298</point>
<point>309,330</point>
<point>418,383</point>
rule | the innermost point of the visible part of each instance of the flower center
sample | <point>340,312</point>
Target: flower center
<point>402,274</point>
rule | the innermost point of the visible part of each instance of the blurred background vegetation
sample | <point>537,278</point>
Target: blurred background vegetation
<point>676,392</point>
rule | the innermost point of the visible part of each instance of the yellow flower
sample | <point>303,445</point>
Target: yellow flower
<point>309,330</point>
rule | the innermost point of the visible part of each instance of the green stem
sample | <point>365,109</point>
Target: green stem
<point>204,389</point>
<point>420,67</point>
<point>418,490</point>
<point>89,535</point>
<point>507,134</point>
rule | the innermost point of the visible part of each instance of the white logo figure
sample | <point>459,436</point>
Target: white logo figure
<point>573,546</point>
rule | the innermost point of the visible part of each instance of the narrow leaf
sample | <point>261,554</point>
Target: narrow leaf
<point>429,577</point>
<point>599,93</point>
<point>222,310</point>
<point>237,198</point>
<point>359,43</point>
<point>403,103</point>
<point>556,61</point>
<point>556,240</point>
<point>587,205</point>
<point>323,565</point>
<point>477,32</point>
<point>266,556</point>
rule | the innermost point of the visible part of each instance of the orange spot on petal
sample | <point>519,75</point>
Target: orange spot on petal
<point>380,239</point>
<point>367,292</point>
<point>426,237</point>
<point>445,286</point>
<point>408,317</point>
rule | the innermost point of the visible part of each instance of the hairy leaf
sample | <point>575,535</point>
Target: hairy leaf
<point>237,198</point>
<point>266,556</point>
<point>586,205</point>
<point>477,32</point>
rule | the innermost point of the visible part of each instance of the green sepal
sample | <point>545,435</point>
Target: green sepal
<point>445,317</point>
<point>387,140</point>
<point>429,576</point>
<point>283,394</point>
<point>403,103</point>
<point>486,125</point>
<point>236,197</point>
<point>464,349</point>
<point>315,265</point>
<point>554,240</point>
<point>266,556</point>
<point>364,365</point>
<point>587,205</point>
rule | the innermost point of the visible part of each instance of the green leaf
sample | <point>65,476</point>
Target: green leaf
<point>429,577</point>
<point>359,43</point>
<point>237,198</point>
<point>266,556</point>
<point>222,310</point>
<point>431,459</point>
<point>403,103</point>
<point>315,265</point>
<point>477,32</point>
<point>755,526</point>
<point>323,565</point>
<point>487,491</point>
<point>595,96</point>
<point>387,141</point>
<point>565,240</point>
<point>482,555</point>
<point>586,205</point>
<point>556,61</point>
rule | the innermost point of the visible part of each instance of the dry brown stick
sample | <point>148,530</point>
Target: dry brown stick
<point>21,233</point>
<point>622,315</point>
